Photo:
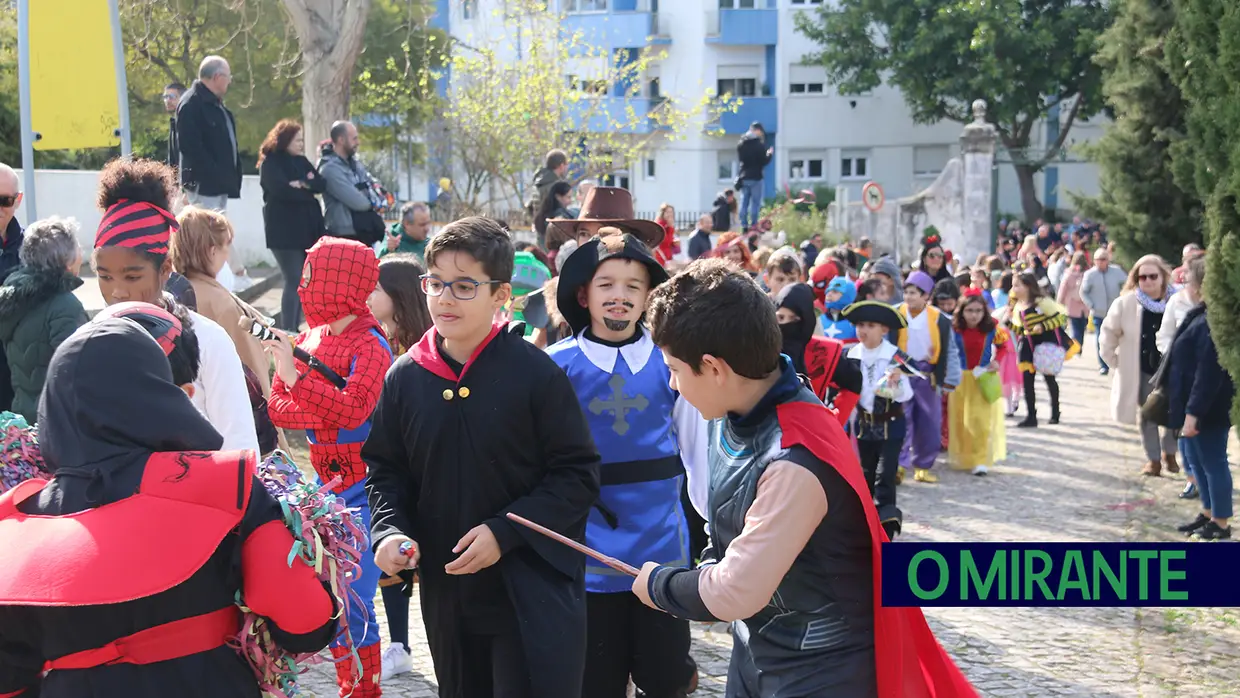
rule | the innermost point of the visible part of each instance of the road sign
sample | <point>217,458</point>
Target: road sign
<point>872,196</point>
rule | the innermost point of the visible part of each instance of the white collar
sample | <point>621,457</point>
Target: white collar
<point>635,354</point>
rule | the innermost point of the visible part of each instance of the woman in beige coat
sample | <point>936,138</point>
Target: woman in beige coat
<point>198,251</point>
<point>1128,344</point>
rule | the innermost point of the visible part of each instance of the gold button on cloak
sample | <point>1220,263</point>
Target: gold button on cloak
<point>447,394</point>
<point>464,392</point>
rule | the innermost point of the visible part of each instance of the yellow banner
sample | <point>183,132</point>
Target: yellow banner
<point>73,99</point>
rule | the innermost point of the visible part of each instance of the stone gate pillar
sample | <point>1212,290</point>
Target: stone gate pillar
<point>977,153</point>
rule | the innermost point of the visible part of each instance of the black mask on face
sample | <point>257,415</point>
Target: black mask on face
<point>794,344</point>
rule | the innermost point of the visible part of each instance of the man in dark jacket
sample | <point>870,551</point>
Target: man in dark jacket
<point>721,215</point>
<point>699,241</point>
<point>172,99</point>
<point>10,248</point>
<point>555,168</point>
<point>754,156</point>
<point>348,186</point>
<point>207,137</point>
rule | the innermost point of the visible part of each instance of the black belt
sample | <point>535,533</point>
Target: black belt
<point>633,471</point>
<point>890,415</point>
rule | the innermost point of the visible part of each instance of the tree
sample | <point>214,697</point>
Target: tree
<point>166,40</point>
<point>329,33</point>
<point>1203,57</point>
<point>1024,58</point>
<point>1146,209</point>
<point>562,90</point>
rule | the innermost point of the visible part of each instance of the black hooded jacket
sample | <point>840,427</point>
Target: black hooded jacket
<point>799,298</point>
<point>108,404</point>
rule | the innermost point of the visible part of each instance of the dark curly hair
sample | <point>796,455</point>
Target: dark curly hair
<point>278,138</point>
<point>988,322</point>
<point>137,180</point>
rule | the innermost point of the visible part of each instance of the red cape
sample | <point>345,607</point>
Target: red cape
<point>822,355</point>
<point>128,549</point>
<point>910,661</point>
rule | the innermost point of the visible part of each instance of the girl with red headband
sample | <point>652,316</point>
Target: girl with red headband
<point>131,262</point>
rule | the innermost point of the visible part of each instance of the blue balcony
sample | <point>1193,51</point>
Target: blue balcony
<point>626,25</point>
<point>612,115</point>
<point>763,109</point>
<point>743,27</point>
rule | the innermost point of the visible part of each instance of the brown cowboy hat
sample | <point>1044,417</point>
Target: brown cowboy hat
<point>609,206</point>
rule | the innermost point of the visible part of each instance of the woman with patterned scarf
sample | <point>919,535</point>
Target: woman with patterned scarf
<point>1128,344</point>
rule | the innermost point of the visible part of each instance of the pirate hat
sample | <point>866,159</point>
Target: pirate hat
<point>608,206</point>
<point>582,263</point>
<point>874,311</point>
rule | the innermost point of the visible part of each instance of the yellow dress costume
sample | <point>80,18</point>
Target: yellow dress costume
<point>977,429</point>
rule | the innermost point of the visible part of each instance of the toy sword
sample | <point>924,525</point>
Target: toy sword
<point>605,559</point>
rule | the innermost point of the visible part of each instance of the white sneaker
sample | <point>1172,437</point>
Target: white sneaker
<point>396,660</point>
<point>980,470</point>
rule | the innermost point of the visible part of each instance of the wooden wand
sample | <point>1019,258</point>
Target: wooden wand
<point>605,559</point>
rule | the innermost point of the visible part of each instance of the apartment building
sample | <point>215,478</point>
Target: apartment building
<point>751,50</point>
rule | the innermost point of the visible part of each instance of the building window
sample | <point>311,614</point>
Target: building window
<point>650,168</point>
<point>656,92</point>
<point>806,2</point>
<point>803,168</point>
<point>854,166</point>
<point>800,88</point>
<point>729,167</point>
<point>615,179</point>
<point>469,9</point>
<point>737,4</point>
<point>575,6</point>
<point>929,160</point>
<point>737,87</point>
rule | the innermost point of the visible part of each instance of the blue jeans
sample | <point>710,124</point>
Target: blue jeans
<point>1078,328</point>
<point>1186,458</point>
<point>363,623</point>
<point>751,202</point>
<point>1209,450</point>
<point>1098,342</point>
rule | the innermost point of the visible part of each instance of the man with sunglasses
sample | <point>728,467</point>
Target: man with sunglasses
<point>10,247</point>
<point>171,98</point>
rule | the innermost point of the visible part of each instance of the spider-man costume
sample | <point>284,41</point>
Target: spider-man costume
<point>338,277</point>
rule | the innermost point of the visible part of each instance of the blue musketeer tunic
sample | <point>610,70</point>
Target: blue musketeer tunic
<point>639,425</point>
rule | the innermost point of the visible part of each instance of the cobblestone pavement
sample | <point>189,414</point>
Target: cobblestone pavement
<point>1078,481</point>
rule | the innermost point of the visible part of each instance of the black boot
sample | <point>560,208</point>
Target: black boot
<point>1213,531</point>
<point>1030,421</point>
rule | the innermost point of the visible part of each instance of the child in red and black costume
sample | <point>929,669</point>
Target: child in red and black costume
<point>834,378</point>
<point>87,613</point>
<point>346,339</point>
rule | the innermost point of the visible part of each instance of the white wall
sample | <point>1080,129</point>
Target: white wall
<point>72,193</point>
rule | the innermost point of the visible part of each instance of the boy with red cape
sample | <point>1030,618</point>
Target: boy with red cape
<point>800,581</point>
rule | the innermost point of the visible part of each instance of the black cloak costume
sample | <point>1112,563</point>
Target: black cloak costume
<point>453,446</point>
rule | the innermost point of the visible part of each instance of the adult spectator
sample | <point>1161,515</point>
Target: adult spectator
<point>699,241</point>
<point>1069,296</point>
<point>754,156</point>
<point>1128,343</point>
<point>583,190</point>
<point>10,251</point>
<point>292,216</point>
<point>554,205</point>
<point>408,235</point>
<point>809,250</point>
<point>1191,251</point>
<point>554,169</point>
<point>173,92</point>
<point>38,310</point>
<point>721,214</point>
<point>933,260</point>
<point>1199,395</point>
<point>1099,289</point>
<point>350,210</point>
<point>207,138</point>
<point>198,250</point>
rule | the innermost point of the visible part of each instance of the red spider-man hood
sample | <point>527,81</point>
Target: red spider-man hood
<point>338,277</point>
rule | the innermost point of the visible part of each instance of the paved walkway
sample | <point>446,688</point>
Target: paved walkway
<point>1077,481</point>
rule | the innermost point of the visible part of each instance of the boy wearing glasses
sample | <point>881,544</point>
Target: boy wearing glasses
<point>475,423</point>
<point>338,277</point>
